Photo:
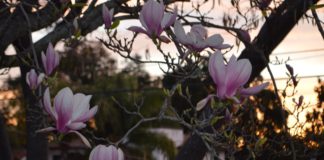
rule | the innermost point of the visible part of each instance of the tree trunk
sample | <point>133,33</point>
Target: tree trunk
<point>36,143</point>
<point>5,150</point>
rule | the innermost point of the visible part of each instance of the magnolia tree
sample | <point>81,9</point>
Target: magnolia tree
<point>213,117</point>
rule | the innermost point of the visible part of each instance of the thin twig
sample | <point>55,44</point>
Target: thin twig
<point>134,127</point>
<point>282,112</point>
<point>317,20</point>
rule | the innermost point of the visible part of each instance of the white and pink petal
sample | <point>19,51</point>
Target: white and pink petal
<point>83,139</point>
<point>216,68</point>
<point>88,115</point>
<point>76,125</point>
<point>45,130</point>
<point>253,90</point>
<point>47,104</point>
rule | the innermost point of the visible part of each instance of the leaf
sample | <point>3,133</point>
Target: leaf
<point>115,24</point>
<point>76,5</point>
<point>215,119</point>
<point>179,89</point>
<point>77,34</point>
<point>187,91</point>
<point>60,137</point>
<point>207,138</point>
<point>316,6</point>
<point>264,13</point>
<point>215,105</point>
<point>261,142</point>
<point>166,92</point>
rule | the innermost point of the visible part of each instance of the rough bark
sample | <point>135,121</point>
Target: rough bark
<point>36,143</point>
<point>5,149</point>
<point>15,25</point>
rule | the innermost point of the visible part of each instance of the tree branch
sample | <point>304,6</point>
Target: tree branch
<point>90,21</point>
<point>15,26</point>
<point>275,29</point>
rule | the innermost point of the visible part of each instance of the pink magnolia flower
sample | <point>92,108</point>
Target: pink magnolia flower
<point>70,111</point>
<point>231,78</point>
<point>50,60</point>
<point>33,80</point>
<point>197,39</point>
<point>154,20</point>
<point>107,16</point>
<point>102,152</point>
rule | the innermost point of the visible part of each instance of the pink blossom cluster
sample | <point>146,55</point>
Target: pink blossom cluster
<point>50,61</point>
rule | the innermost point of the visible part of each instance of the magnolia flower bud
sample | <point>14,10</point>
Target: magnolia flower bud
<point>292,76</point>
<point>300,101</point>
<point>33,80</point>
<point>290,69</point>
<point>51,60</point>
<point>244,35</point>
<point>102,152</point>
<point>107,16</point>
